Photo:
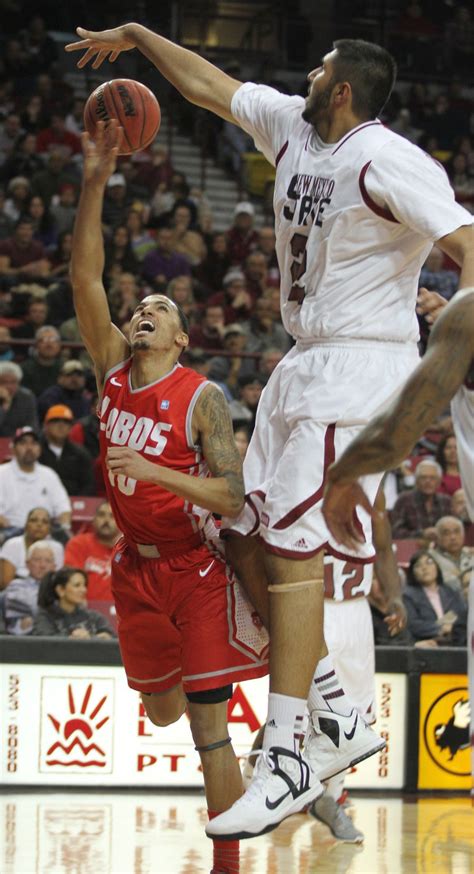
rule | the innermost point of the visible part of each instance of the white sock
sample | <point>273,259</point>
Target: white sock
<point>284,722</point>
<point>326,692</point>
<point>334,787</point>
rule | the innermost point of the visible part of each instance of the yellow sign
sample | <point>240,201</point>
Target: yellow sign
<point>444,758</point>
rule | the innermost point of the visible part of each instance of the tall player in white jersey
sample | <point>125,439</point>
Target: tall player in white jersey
<point>445,374</point>
<point>357,209</point>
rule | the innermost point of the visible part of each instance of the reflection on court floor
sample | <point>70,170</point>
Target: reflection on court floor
<point>129,833</point>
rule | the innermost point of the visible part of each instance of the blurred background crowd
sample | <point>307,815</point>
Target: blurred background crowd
<point>192,217</point>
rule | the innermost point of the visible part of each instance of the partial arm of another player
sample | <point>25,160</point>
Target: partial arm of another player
<point>460,247</point>
<point>222,493</point>
<point>105,343</point>
<point>389,438</point>
<point>196,79</point>
<point>386,568</point>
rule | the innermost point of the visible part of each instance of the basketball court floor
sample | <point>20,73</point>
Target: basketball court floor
<point>146,833</point>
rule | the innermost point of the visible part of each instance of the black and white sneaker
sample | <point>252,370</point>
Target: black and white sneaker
<point>283,783</point>
<point>334,742</point>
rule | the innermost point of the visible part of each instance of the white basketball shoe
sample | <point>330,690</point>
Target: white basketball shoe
<point>334,743</point>
<point>283,783</point>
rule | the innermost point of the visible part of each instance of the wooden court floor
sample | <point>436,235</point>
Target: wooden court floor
<point>130,833</point>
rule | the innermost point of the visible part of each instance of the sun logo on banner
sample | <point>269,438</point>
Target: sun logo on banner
<point>78,743</point>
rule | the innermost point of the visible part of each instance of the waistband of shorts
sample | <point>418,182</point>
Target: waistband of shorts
<point>357,343</point>
<point>166,550</point>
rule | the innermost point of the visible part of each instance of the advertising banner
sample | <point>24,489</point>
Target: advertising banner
<point>444,746</point>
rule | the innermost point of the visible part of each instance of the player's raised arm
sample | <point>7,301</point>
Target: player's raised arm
<point>196,79</point>
<point>389,438</point>
<point>105,343</point>
<point>222,493</point>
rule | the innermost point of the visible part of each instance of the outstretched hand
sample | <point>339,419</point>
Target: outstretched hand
<point>339,510</point>
<point>99,46</point>
<point>100,155</point>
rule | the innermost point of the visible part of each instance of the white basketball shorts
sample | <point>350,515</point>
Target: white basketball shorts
<point>349,638</point>
<point>316,401</point>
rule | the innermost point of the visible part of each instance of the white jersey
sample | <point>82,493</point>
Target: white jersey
<point>354,220</point>
<point>346,580</point>
<point>462,408</point>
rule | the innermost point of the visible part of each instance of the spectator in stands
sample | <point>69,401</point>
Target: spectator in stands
<point>436,614</point>
<point>26,484</point>
<point>244,409</point>
<point>119,257</point>
<point>33,118</point>
<point>266,244</point>
<point>443,123</point>
<point>380,609</point>
<point>180,290</point>
<point>256,273</point>
<point>72,462</point>
<point>416,512</point>
<point>141,240</point>
<point>447,457</point>
<point>242,438</point>
<point>434,277</point>
<point>123,297</point>
<point>92,551</point>
<point>34,318</point>
<point>85,432</point>
<point>216,264</point>
<point>459,509</point>
<point>63,208</point>
<point>56,136</point>
<point>43,222</point>
<point>40,48</point>
<point>6,224</point>
<point>17,404</point>
<point>236,299</point>
<point>20,254</point>
<point>69,391</point>
<point>187,240</point>
<point>403,126</point>
<point>75,117</point>
<point>264,332</point>
<point>60,257</point>
<point>163,263</point>
<point>269,359</point>
<point>229,369</point>
<point>450,553</point>
<point>49,181</point>
<point>62,607</point>
<point>23,160</point>
<point>461,180</point>
<point>14,551</point>
<point>197,360</point>
<point>18,191</point>
<point>242,238</point>
<point>116,202</point>
<point>209,333</point>
<point>10,131</point>
<point>459,41</point>
<point>42,368</point>
<point>21,597</point>
<point>6,351</point>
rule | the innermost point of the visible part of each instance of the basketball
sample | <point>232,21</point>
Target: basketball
<point>133,105</point>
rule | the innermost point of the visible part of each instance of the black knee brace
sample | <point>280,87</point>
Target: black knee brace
<point>211,696</point>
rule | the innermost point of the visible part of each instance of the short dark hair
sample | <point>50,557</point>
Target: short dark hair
<point>411,579</point>
<point>184,321</point>
<point>47,595</point>
<point>371,72</point>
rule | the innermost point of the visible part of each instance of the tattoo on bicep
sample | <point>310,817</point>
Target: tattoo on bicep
<point>218,441</point>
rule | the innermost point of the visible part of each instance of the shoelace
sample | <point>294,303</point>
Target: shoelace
<point>259,774</point>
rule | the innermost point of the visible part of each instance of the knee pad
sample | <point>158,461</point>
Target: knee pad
<point>211,696</point>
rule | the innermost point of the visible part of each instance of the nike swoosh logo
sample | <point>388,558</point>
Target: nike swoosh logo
<point>204,573</point>
<point>349,735</point>
<point>273,804</point>
<point>114,381</point>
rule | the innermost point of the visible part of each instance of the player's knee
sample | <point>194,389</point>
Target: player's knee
<point>208,714</point>
<point>163,710</point>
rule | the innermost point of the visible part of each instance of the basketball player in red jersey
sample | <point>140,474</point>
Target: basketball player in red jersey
<point>163,428</point>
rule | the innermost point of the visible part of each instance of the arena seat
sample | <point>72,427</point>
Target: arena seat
<point>83,511</point>
<point>404,550</point>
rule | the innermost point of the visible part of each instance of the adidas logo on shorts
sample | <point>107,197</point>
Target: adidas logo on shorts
<point>300,544</point>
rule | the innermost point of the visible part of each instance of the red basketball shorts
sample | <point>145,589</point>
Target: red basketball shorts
<point>184,619</point>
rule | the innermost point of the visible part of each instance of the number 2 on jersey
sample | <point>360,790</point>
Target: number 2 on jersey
<point>298,266</point>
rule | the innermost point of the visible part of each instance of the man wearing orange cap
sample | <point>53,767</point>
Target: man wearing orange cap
<point>72,462</point>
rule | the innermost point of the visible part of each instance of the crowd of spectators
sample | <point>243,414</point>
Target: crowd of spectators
<point>159,237</point>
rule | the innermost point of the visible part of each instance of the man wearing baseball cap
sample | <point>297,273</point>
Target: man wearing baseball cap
<point>72,462</point>
<point>26,484</point>
<point>68,391</point>
<point>242,238</point>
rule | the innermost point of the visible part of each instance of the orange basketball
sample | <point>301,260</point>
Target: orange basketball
<point>133,105</point>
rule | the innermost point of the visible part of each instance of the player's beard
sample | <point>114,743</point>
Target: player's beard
<point>140,345</point>
<point>317,105</point>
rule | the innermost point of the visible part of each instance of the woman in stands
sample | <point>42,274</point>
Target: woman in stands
<point>447,457</point>
<point>62,607</point>
<point>436,614</point>
<point>14,550</point>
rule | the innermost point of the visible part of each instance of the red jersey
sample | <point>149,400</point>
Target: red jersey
<point>87,552</point>
<point>156,421</point>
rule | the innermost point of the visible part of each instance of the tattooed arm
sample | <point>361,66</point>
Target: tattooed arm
<point>389,438</point>
<point>223,492</point>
